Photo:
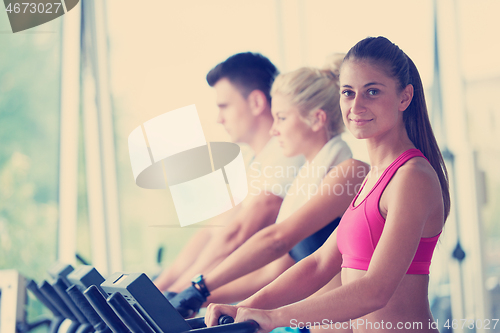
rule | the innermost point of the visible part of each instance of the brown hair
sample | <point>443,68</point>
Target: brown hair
<point>387,56</point>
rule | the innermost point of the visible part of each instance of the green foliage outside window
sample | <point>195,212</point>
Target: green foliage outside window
<point>29,150</point>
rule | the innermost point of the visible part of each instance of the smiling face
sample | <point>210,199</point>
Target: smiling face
<point>371,103</point>
<point>289,127</point>
<point>234,111</point>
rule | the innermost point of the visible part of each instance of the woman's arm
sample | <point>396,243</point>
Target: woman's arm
<point>298,282</point>
<point>301,280</point>
<point>412,198</point>
<point>276,240</point>
<point>249,284</point>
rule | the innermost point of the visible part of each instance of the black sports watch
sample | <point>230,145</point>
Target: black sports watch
<point>200,285</point>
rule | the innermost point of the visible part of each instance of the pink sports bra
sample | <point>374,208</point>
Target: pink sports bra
<point>361,227</point>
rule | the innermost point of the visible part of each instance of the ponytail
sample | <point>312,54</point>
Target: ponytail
<point>419,130</point>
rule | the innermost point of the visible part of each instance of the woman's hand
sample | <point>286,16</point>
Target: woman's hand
<point>262,317</point>
<point>240,314</point>
<point>214,311</point>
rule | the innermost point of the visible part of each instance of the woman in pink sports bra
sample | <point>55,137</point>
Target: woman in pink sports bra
<point>384,243</point>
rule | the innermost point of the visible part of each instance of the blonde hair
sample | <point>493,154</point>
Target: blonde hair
<point>310,89</point>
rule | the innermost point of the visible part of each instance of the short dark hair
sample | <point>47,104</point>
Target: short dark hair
<point>247,71</point>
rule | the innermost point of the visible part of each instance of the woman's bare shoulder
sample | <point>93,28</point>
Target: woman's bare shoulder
<point>415,190</point>
<point>417,170</point>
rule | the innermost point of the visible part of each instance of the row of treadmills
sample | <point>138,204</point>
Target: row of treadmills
<point>82,301</point>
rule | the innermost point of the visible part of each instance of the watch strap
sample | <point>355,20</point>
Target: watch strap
<point>199,283</point>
